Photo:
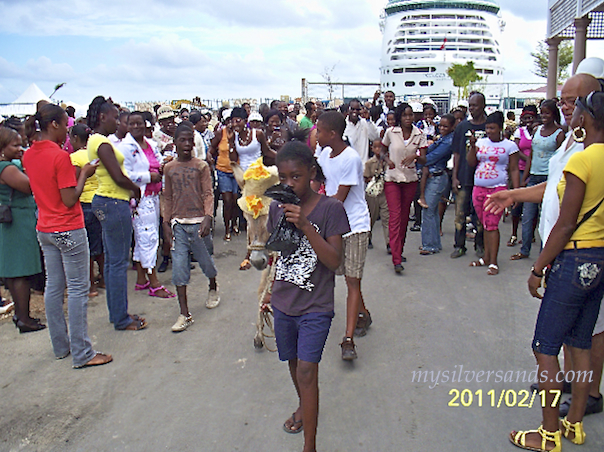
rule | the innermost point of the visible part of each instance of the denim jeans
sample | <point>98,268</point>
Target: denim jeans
<point>67,260</point>
<point>187,242</point>
<point>571,301</point>
<point>435,187</point>
<point>114,215</point>
<point>530,213</point>
<point>463,208</point>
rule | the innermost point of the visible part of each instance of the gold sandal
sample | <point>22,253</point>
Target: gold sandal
<point>576,428</point>
<point>519,439</point>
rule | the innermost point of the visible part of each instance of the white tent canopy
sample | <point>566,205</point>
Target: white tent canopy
<point>25,104</point>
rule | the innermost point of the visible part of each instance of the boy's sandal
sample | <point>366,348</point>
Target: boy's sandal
<point>518,256</point>
<point>513,241</point>
<point>493,270</point>
<point>479,263</point>
<point>519,439</point>
<point>245,265</point>
<point>142,286</point>
<point>153,292</point>
<point>290,425</point>
<point>135,325</point>
<point>576,429</point>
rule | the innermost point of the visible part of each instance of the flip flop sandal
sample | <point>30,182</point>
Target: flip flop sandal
<point>493,270</point>
<point>153,292</point>
<point>513,241</point>
<point>245,265</point>
<point>289,428</point>
<point>135,325</point>
<point>142,286</point>
<point>106,359</point>
<point>518,256</point>
<point>479,263</point>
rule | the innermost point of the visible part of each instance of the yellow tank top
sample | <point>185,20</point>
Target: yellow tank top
<point>223,162</point>
<point>107,186</point>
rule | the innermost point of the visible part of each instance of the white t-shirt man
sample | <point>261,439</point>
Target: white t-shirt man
<point>550,206</point>
<point>360,134</point>
<point>347,169</point>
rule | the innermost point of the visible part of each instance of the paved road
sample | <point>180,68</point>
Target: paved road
<point>207,389</point>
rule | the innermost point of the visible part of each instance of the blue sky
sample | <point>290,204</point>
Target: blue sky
<point>137,50</point>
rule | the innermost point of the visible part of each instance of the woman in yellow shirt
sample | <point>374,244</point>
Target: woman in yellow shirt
<point>111,205</point>
<point>78,137</point>
<point>571,302</point>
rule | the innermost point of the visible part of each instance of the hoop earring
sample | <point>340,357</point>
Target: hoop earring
<point>581,138</point>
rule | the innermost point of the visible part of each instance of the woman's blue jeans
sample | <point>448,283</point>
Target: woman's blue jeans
<point>435,187</point>
<point>67,260</point>
<point>115,217</point>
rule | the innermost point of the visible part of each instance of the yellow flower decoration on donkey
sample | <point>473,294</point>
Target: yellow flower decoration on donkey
<point>257,179</point>
<point>254,205</point>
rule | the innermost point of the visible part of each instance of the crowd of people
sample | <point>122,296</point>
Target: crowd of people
<point>85,199</point>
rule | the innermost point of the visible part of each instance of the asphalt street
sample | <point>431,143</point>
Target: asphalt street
<point>208,389</point>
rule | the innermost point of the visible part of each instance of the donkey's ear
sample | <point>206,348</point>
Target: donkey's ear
<point>238,173</point>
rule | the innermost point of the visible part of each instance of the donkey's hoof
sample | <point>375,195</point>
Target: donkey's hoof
<point>258,343</point>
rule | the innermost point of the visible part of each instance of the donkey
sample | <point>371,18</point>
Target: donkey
<point>253,183</point>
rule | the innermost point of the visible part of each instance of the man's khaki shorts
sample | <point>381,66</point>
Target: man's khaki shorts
<point>355,252</point>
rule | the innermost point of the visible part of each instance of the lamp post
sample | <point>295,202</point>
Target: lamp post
<point>57,88</point>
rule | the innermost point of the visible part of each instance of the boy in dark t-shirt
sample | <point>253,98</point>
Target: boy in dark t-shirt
<point>303,291</point>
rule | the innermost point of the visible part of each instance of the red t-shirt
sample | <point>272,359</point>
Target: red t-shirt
<point>49,169</point>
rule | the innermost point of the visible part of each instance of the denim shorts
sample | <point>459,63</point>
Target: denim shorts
<point>571,302</point>
<point>302,337</point>
<point>186,243</point>
<point>227,183</point>
<point>93,229</point>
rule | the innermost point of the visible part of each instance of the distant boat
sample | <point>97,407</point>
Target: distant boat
<point>422,38</point>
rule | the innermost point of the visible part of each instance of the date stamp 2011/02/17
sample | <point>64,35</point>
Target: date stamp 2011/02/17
<point>505,397</point>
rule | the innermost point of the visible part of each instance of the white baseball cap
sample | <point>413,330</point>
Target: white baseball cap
<point>593,66</point>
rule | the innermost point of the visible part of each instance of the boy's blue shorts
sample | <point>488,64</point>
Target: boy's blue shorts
<point>302,337</point>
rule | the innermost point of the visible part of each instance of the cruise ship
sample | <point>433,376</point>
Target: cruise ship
<point>422,38</point>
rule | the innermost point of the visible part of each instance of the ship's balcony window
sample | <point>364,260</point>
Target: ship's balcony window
<point>409,83</point>
<point>489,71</point>
<point>420,69</point>
<point>492,59</point>
<point>488,50</point>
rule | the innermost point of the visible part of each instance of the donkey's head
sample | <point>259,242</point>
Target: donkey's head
<point>254,182</point>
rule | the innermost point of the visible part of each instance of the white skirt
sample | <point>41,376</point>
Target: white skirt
<point>145,221</point>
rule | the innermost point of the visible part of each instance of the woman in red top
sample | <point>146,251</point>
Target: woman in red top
<point>62,235</point>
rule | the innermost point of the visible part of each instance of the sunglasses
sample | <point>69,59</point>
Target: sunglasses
<point>587,104</point>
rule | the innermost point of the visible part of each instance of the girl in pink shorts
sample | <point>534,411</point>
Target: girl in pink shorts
<point>494,157</point>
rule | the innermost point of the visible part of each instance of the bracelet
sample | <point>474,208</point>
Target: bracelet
<point>535,273</point>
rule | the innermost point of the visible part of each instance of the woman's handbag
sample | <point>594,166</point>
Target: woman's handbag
<point>375,186</point>
<point>6,215</point>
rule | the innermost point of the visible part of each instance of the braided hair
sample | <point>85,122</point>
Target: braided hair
<point>98,105</point>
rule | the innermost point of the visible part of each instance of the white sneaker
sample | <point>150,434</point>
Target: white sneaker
<point>213,298</point>
<point>182,323</point>
<point>7,307</point>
